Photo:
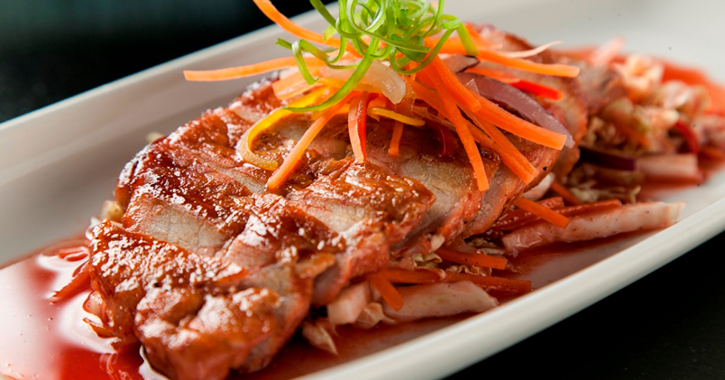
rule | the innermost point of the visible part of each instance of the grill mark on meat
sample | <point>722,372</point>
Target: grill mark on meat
<point>186,310</point>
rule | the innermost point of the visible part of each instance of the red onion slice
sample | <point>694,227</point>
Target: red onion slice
<point>516,99</point>
<point>608,159</point>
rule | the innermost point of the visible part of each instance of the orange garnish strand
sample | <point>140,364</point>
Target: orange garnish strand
<point>565,193</point>
<point>395,140</point>
<point>278,18</point>
<point>491,283</point>
<point>526,65</point>
<point>460,124</point>
<point>248,70</point>
<point>512,157</point>
<point>542,212</point>
<point>477,259</point>
<point>293,85</point>
<point>401,276</point>
<point>499,75</point>
<point>438,72</point>
<point>386,290</point>
<point>356,124</point>
<point>503,119</point>
<point>291,161</point>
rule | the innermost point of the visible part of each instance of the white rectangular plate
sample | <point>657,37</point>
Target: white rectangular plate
<point>58,164</point>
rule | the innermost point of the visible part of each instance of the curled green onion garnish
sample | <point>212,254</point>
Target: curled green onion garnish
<point>388,30</point>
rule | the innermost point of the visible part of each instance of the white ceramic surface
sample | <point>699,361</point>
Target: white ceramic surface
<point>58,164</point>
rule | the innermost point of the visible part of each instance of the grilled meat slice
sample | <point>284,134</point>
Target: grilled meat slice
<point>187,311</point>
<point>450,179</point>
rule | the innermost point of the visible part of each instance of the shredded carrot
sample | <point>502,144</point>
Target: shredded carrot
<point>505,120</point>
<point>539,89</point>
<point>565,193</point>
<point>547,214</point>
<point>514,218</point>
<point>401,276</point>
<point>293,158</point>
<point>454,115</point>
<point>356,122</point>
<point>512,157</point>
<point>499,75</point>
<point>76,284</point>
<point>555,69</point>
<point>477,259</point>
<point>476,37</point>
<point>278,18</point>
<point>386,290</point>
<point>491,283</point>
<point>694,77</point>
<point>248,70</point>
<point>293,85</point>
<point>395,140</point>
<point>438,72</point>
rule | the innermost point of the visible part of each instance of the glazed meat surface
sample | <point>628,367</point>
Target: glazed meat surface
<point>213,266</point>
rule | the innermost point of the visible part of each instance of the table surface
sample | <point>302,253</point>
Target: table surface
<point>668,325</point>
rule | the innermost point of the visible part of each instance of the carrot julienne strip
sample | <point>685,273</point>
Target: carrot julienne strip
<point>565,193</point>
<point>513,218</point>
<point>386,289</point>
<point>462,94</point>
<point>293,158</point>
<point>454,115</point>
<point>401,276</point>
<point>395,139</point>
<point>278,18</point>
<point>248,70</point>
<point>499,75</point>
<point>505,120</point>
<point>566,211</point>
<point>356,122</point>
<point>519,164</point>
<point>510,156</point>
<point>547,214</point>
<point>555,69</point>
<point>477,259</point>
<point>491,282</point>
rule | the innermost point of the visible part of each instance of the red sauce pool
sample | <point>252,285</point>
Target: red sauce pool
<point>48,340</point>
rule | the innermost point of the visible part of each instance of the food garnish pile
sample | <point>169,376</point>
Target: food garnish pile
<point>388,170</point>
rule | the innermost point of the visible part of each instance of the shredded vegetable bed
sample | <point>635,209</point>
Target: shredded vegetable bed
<point>430,152</point>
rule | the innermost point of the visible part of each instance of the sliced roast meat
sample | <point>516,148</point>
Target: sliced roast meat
<point>450,179</point>
<point>188,311</point>
<point>371,209</point>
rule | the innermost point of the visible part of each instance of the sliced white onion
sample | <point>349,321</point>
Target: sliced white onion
<point>673,167</point>
<point>440,300</point>
<point>378,75</point>
<point>530,52</point>
<point>628,218</point>
<point>539,190</point>
<point>349,304</point>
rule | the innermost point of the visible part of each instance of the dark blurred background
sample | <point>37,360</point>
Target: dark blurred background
<point>669,325</point>
<point>53,49</point>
